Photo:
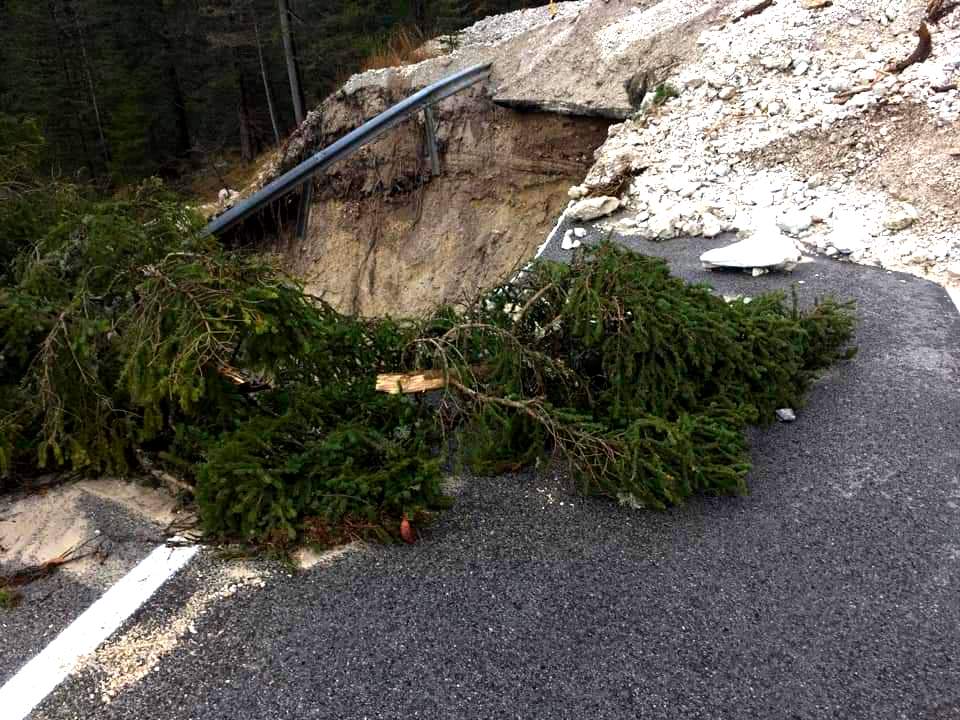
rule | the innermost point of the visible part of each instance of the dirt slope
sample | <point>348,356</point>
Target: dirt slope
<point>386,238</point>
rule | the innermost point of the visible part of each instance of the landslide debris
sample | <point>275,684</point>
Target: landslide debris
<point>828,124</point>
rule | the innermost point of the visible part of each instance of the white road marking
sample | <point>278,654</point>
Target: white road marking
<point>38,678</point>
<point>954,294</point>
<point>542,248</point>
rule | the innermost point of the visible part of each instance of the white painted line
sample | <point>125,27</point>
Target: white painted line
<point>954,294</point>
<point>37,679</point>
<point>542,248</point>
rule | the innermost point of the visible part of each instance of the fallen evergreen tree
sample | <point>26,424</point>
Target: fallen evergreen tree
<point>129,339</point>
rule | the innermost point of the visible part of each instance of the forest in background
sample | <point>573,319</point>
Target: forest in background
<point>126,90</point>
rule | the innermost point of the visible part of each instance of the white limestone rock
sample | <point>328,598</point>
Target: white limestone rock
<point>569,242</point>
<point>821,211</point>
<point>795,222</point>
<point>768,250</point>
<point>901,216</point>
<point>227,197</point>
<point>786,415</point>
<point>711,225</point>
<point>592,208</point>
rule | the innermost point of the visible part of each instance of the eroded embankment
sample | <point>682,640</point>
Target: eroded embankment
<point>387,238</point>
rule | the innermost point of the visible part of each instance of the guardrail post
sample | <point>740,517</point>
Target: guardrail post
<point>303,212</point>
<point>432,140</point>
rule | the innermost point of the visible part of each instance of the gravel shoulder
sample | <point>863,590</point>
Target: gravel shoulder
<point>829,592</point>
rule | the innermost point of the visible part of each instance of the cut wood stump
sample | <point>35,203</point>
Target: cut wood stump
<point>409,383</point>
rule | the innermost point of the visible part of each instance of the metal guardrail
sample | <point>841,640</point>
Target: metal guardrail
<point>349,144</point>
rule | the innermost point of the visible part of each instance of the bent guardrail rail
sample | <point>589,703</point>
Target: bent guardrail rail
<point>349,144</point>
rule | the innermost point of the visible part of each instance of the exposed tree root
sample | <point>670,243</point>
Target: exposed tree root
<point>922,52</point>
<point>754,10</point>
<point>637,86</point>
<point>937,10</point>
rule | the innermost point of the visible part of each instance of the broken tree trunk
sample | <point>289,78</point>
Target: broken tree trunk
<point>410,383</point>
<point>266,79</point>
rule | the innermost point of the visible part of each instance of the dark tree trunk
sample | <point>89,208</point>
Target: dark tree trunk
<point>420,15</point>
<point>266,80</point>
<point>70,83</point>
<point>292,70</point>
<point>182,121</point>
<point>247,141</point>
<point>88,72</point>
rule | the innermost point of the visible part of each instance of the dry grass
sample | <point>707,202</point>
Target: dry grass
<point>403,46</point>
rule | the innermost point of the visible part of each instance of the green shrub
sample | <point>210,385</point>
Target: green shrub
<point>664,92</point>
<point>644,384</point>
<point>9,598</point>
<point>126,333</point>
<point>329,453</point>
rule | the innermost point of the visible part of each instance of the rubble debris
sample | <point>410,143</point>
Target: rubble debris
<point>637,86</point>
<point>592,208</point>
<point>786,415</point>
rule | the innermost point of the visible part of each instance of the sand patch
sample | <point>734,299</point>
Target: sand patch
<point>41,526</point>
<point>138,652</point>
<point>307,558</point>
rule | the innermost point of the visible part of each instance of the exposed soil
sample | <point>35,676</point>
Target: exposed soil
<point>386,238</point>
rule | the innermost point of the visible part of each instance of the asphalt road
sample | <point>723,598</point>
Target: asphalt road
<point>50,604</point>
<point>831,591</point>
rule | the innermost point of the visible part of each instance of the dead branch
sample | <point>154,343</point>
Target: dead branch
<point>32,573</point>
<point>841,98</point>
<point>589,453</point>
<point>530,303</point>
<point>243,383</point>
<point>922,52</point>
<point>937,10</point>
<point>754,10</point>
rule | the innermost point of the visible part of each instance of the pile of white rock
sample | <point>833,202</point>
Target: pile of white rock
<point>768,79</point>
